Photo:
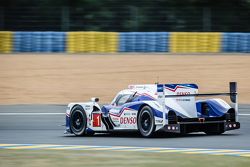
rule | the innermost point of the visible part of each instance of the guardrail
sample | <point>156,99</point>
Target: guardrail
<point>113,42</point>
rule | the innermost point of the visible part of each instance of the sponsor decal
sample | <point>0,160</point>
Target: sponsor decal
<point>87,107</point>
<point>115,118</point>
<point>183,93</point>
<point>158,121</point>
<point>182,99</point>
<point>128,120</point>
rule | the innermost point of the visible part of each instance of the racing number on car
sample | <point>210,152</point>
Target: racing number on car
<point>96,120</point>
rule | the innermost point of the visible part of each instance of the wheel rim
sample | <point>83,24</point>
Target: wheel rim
<point>146,121</point>
<point>77,121</point>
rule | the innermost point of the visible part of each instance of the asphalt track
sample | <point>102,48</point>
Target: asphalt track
<point>42,124</point>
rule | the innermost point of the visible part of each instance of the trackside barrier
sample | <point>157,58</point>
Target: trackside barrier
<point>195,42</point>
<point>6,41</point>
<point>113,42</point>
<point>39,41</point>
<point>236,42</point>
<point>92,42</point>
<point>143,42</point>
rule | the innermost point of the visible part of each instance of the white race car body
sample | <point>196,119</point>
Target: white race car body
<point>173,108</point>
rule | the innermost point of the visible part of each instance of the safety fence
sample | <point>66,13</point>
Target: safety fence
<point>113,42</point>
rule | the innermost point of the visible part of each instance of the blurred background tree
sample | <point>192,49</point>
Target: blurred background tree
<point>125,15</point>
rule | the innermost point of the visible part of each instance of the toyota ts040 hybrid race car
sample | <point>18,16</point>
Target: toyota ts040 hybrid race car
<point>153,107</point>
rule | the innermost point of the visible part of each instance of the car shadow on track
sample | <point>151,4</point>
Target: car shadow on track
<point>157,135</point>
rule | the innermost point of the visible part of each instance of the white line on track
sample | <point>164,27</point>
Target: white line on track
<point>244,114</point>
<point>43,113</point>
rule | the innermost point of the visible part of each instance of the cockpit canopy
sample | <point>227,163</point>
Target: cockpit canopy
<point>126,96</point>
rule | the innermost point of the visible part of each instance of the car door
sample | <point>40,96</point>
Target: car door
<point>121,116</point>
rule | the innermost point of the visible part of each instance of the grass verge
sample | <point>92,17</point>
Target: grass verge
<point>88,158</point>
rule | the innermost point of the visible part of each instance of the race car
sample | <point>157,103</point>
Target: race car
<point>151,108</point>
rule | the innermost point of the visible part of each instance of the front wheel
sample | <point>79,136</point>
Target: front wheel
<point>146,122</point>
<point>78,121</point>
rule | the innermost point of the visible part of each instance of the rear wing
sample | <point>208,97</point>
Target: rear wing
<point>232,93</point>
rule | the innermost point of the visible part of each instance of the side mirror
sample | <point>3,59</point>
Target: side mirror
<point>94,99</point>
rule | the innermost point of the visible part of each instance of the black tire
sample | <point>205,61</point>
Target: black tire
<point>146,122</point>
<point>78,121</point>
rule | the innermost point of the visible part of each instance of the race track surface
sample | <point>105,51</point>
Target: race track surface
<point>42,124</point>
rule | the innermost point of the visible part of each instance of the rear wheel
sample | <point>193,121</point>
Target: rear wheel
<point>78,121</point>
<point>146,122</point>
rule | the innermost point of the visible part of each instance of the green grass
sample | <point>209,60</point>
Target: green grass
<point>113,158</point>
